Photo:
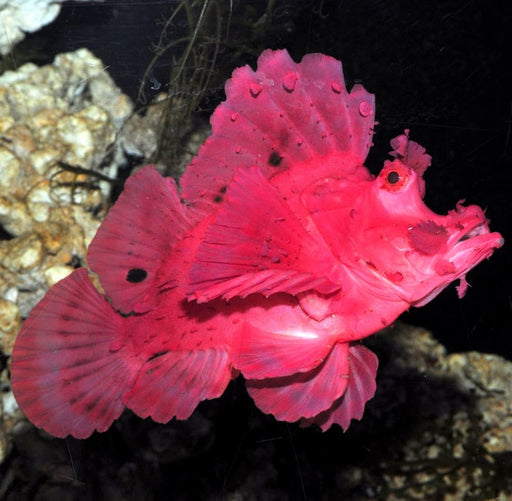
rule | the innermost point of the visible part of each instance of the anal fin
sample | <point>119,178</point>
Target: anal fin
<point>172,384</point>
<point>137,235</point>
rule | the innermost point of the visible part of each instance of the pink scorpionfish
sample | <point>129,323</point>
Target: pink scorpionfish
<point>278,254</point>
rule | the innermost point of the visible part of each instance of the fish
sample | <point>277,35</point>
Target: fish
<point>275,257</point>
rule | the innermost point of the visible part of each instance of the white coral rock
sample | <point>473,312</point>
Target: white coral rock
<point>18,17</point>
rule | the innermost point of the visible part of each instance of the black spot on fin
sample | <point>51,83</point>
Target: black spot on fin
<point>136,275</point>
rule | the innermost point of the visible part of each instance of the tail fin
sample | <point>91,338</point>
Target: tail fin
<point>70,367</point>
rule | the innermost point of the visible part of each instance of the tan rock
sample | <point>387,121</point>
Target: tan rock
<point>9,325</point>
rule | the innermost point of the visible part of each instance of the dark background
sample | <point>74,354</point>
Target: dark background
<point>440,69</point>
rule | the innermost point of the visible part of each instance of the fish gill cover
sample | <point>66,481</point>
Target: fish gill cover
<point>277,256</point>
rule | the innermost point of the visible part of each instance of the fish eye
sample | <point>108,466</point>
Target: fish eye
<point>394,176</point>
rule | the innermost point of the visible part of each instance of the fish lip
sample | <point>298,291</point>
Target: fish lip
<point>474,231</point>
<point>469,231</point>
<point>475,239</point>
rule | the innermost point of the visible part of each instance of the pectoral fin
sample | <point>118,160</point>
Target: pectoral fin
<point>257,245</point>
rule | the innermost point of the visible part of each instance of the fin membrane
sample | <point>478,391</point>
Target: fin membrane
<point>361,387</point>
<point>174,383</point>
<point>138,233</point>
<point>277,118</point>
<point>304,395</point>
<point>69,366</point>
<point>257,244</point>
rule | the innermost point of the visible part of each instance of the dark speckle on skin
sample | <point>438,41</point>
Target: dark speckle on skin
<point>274,159</point>
<point>90,406</point>
<point>156,355</point>
<point>218,198</point>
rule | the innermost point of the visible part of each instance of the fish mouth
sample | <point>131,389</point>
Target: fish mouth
<point>472,244</point>
<point>476,230</point>
<point>466,248</point>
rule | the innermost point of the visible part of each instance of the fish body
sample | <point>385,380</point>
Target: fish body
<point>277,255</point>
<point>80,360</point>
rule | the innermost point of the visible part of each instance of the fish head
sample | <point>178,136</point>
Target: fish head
<point>403,245</point>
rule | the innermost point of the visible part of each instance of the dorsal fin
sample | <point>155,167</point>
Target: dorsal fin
<point>137,235</point>
<point>277,117</point>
